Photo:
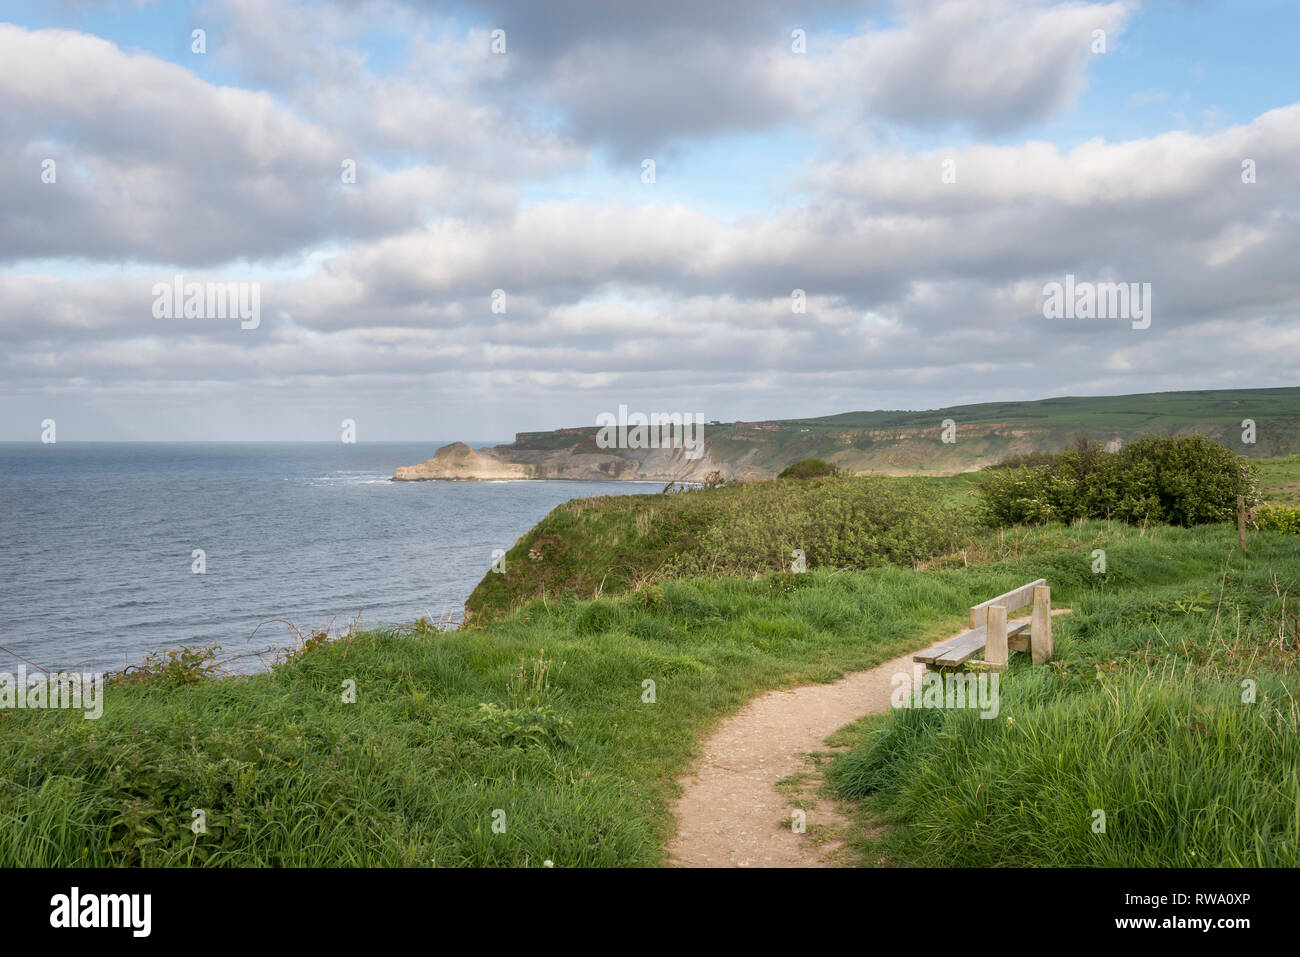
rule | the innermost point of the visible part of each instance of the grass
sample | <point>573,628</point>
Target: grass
<point>1155,413</point>
<point>1170,709</point>
<point>289,775</point>
<point>543,715</point>
<point>612,544</point>
<point>1280,478</point>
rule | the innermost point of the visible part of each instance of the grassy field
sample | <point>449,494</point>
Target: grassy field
<point>610,544</point>
<point>447,728</point>
<point>1170,708</point>
<point>607,545</point>
<point>1280,478</point>
<point>412,772</point>
<point>1154,413</point>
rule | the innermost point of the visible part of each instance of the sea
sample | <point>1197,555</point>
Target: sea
<point>111,551</point>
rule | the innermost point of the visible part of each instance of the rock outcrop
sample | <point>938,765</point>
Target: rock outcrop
<point>579,461</point>
<point>459,461</point>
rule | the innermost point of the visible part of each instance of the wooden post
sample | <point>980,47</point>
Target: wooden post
<point>995,643</point>
<point>1241,522</point>
<point>1040,626</point>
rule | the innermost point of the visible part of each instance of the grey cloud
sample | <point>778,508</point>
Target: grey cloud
<point>636,78</point>
<point>157,165</point>
<point>915,288</point>
<point>995,66</point>
<point>154,165</point>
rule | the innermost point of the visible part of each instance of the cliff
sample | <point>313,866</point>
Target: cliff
<point>891,443</point>
<point>577,461</point>
<point>459,461</point>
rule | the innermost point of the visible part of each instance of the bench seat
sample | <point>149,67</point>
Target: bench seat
<point>967,645</point>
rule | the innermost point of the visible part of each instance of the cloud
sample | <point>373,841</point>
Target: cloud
<point>994,66</point>
<point>153,164</point>
<point>636,78</point>
<point>478,173</point>
<point>156,164</point>
<point>941,280</point>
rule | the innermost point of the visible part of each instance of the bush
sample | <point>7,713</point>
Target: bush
<point>1279,518</point>
<point>620,543</point>
<point>809,468</point>
<point>1187,481</point>
<point>839,523</point>
<point>173,668</point>
<point>1027,459</point>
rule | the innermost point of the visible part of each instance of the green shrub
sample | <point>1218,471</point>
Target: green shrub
<point>838,523</point>
<point>809,468</point>
<point>173,668</point>
<point>1279,518</point>
<point>617,544</point>
<point>1028,459</point>
<point>1186,481</point>
<point>496,727</point>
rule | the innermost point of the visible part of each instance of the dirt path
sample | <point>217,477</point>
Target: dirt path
<point>731,813</point>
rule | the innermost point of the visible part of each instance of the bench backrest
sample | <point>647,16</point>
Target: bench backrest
<point>1016,598</point>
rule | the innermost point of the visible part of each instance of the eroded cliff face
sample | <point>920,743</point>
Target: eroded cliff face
<point>737,452</point>
<point>739,455</point>
<point>459,461</point>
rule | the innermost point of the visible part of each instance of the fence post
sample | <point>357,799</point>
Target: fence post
<point>1041,644</point>
<point>995,643</point>
<point>1241,522</point>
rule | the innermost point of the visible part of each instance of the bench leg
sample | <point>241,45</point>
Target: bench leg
<point>1040,629</point>
<point>995,646</point>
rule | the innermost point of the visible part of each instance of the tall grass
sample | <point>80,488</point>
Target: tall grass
<point>610,545</point>
<point>446,729</point>
<point>1170,710</point>
<point>1184,773</point>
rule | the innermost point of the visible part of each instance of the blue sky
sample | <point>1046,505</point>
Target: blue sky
<point>774,171</point>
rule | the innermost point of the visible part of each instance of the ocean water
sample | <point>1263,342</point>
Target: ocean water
<point>96,543</point>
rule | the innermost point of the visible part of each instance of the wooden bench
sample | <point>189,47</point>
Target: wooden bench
<point>991,633</point>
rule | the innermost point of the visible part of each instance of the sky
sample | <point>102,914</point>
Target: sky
<point>464,220</point>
